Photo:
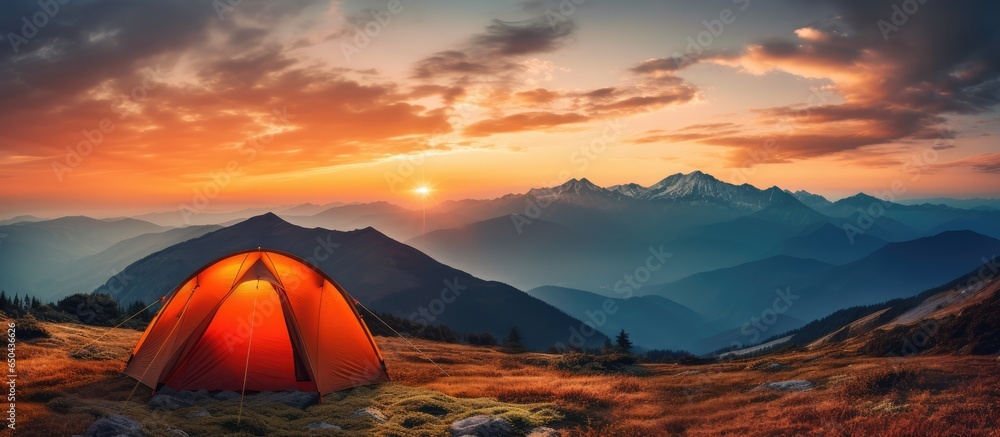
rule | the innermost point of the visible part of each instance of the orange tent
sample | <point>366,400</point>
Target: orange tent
<point>258,320</point>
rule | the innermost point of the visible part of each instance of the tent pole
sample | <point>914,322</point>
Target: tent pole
<point>246,367</point>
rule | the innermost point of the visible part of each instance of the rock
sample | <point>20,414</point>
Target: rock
<point>482,426</point>
<point>177,432</point>
<point>791,385</point>
<point>168,402</point>
<point>767,367</point>
<point>199,413</point>
<point>544,431</point>
<point>114,425</point>
<point>321,425</point>
<point>297,399</point>
<point>226,396</point>
<point>371,413</point>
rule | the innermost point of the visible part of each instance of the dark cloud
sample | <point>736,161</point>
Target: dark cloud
<point>496,50</point>
<point>982,163</point>
<point>504,38</point>
<point>450,62</point>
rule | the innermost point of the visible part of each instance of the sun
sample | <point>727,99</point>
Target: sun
<point>422,190</point>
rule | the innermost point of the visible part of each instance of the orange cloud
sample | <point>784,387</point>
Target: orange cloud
<point>522,122</point>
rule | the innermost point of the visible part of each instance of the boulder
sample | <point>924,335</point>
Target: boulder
<point>482,426</point>
<point>790,385</point>
<point>114,425</point>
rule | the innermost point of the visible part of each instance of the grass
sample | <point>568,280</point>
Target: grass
<point>938,395</point>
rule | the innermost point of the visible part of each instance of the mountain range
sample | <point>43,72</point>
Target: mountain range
<point>730,249</point>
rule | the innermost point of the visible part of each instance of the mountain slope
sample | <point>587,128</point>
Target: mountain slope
<point>898,270</point>
<point>33,254</point>
<point>651,321</point>
<point>948,318</point>
<point>530,253</point>
<point>89,272</point>
<point>380,272</point>
<point>734,295</point>
<point>744,239</point>
<point>825,242</point>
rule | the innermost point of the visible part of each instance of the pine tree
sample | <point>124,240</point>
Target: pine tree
<point>623,342</point>
<point>4,301</point>
<point>608,347</point>
<point>514,340</point>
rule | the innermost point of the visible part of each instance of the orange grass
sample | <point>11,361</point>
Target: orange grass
<point>940,395</point>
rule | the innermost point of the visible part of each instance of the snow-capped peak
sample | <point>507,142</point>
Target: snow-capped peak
<point>697,188</point>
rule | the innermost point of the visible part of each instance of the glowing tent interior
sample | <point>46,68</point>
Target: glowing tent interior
<point>258,320</point>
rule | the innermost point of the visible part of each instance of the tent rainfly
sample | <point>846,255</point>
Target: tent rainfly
<point>258,320</point>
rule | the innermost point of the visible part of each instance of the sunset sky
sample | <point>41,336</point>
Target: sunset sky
<point>267,103</point>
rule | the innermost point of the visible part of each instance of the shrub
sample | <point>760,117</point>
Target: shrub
<point>588,363</point>
<point>671,356</point>
<point>48,313</point>
<point>881,381</point>
<point>28,328</point>
<point>91,309</point>
<point>484,339</point>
